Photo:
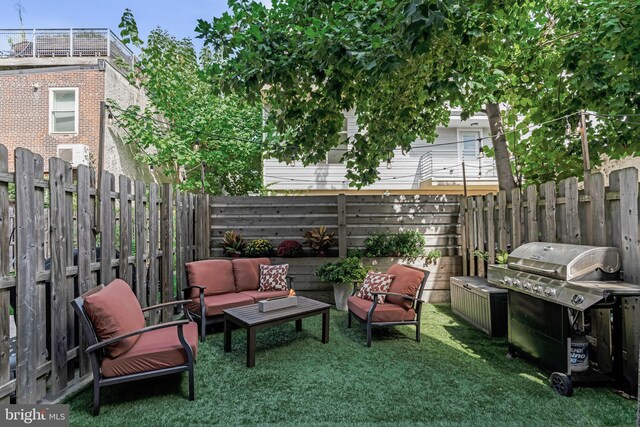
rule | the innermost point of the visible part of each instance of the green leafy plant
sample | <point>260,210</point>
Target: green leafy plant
<point>433,255</point>
<point>289,249</point>
<point>259,248</point>
<point>501,257</point>
<point>405,244</point>
<point>354,253</point>
<point>319,240</point>
<point>233,243</point>
<point>346,270</point>
<point>484,255</point>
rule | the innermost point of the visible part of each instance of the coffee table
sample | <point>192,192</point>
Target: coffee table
<point>251,319</point>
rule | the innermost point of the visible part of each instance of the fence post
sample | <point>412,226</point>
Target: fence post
<point>491,228</point>
<point>166,245</point>
<point>107,184</point>
<point>85,281</point>
<point>342,225</point>
<point>141,241</point>
<point>480,233</point>
<point>26,358</point>
<point>464,236</point>
<point>153,251</point>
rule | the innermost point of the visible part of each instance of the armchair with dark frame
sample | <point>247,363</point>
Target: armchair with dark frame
<point>167,344</point>
<point>391,313</point>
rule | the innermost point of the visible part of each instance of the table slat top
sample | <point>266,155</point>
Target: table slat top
<point>251,315</point>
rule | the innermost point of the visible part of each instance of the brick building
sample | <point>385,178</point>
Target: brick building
<point>51,88</point>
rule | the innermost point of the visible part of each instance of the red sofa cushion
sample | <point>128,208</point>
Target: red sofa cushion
<point>115,311</point>
<point>406,282</point>
<point>154,350</point>
<point>216,275</point>
<point>382,313</point>
<point>375,282</point>
<point>260,295</point>
<point>247,273</point>
<point>214,304</point>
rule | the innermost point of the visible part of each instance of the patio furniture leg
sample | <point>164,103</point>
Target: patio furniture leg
<point>251,347</point>
<point>299,325</point>
<point>368,334</point>
<point>349,320</point>
<point>227,336</point>
<point>418,332</point>
<point>96,397</point>
<point>191,385</point>
<point>325,327</point>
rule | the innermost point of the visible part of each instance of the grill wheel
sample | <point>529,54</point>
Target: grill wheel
<point>561,383</point>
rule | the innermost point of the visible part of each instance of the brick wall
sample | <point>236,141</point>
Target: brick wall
<point>24,111</point>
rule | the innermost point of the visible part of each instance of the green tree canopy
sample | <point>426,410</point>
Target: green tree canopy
<point>187,122</point>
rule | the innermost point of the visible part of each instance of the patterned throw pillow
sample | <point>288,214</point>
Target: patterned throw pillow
<point>273,277</point>
<point>375,282</point>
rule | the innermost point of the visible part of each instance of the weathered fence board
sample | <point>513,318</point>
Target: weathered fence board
<point>125,270</point>
<point>153,282</point>
<point>85,279</point>
<point>5,241</point>
<point>141,242</point>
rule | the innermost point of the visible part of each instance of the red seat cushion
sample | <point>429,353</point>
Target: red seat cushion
<point>216,275</point>
<point>154,350</point>
<point>406,282</point>
<point>115,311</point>
<point>382,313</point>
<point>260,295</point>
<point>214,304</point>
<point>246,272</point>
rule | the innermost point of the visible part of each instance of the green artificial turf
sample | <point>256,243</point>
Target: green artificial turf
<point>455,376</point>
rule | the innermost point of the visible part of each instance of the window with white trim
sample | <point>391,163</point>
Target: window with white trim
<point>63,110</point>
<point>469,149</point>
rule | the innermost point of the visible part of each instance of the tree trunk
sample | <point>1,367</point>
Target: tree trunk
<point>503,165</point>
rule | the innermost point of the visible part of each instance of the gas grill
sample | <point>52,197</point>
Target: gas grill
<point>566,302</point>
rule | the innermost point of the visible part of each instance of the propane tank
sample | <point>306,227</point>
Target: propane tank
<point>579,352</point>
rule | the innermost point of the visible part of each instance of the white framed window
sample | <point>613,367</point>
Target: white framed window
<point>469,148</point>
<point>63,110</point>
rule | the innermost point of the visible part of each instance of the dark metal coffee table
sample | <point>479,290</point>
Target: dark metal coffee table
<point>251,319</point>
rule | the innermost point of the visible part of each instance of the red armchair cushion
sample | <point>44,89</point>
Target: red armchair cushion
<point>154,350</point>
<point>115,311</point>
<point>406,282</point>
<point>273,277</point>
<point>258,296</point>
<point>246,273</point>
<point>216,275</point>
<point>382,313</point>
<point>375,282</point>
<point>214,304</point>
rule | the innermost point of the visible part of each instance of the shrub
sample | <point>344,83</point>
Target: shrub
<point>346,270</point>
<point>289,249</point>
<point>405,244</point>
<point>319,240</point>
<point>259,248</point>
<point>433,256</point>
<point>233,243</point>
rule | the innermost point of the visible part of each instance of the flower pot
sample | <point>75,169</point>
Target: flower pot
<point>342,291</point>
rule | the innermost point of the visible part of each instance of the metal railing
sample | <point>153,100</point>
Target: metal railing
<point>482,168</point>
<point>67,42</point>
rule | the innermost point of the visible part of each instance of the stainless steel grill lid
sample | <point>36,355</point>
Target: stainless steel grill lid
<point>563,261</point>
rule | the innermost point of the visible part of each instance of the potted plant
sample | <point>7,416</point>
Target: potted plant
<point>233,244</point>
<point>319,240</point>
<point>343,274</point>
<point>289,249</point>
<point>259,248</point>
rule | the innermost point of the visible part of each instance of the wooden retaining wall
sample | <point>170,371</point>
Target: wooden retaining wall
<point>134,230</point>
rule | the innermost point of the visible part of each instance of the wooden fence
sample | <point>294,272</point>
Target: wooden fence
<point>352,218</point>
<point>600,216</point>
<point>96,234</point>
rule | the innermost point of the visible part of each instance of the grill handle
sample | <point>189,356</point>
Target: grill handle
<point>534,270</point>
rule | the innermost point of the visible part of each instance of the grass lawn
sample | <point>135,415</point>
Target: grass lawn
<point>456,375</point>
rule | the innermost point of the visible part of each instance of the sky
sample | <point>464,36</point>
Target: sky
<point>179,18</point>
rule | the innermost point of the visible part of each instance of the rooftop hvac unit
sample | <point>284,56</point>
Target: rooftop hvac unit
<point>76,154</point>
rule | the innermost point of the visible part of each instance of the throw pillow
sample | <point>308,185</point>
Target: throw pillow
<point>273,277</point>
<point>375,282</point>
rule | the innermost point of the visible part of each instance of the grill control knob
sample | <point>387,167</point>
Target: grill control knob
<point>527,286</point>
<point>537,288</point>
<point>507,280</point>
<point>577,299</point>
<point>516,283</point>
<point>549,291</point>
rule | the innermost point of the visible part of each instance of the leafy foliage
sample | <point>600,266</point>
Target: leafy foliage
<point>346,270</point>
<point>502,257</point>
<point>401,63</point>
<point>259,248</point>
<point>405,244</point>
<point>319,239</point>
<point>290,249</point>
<point>233,243</point>
<point>187,122</point>
<point>432,256</point>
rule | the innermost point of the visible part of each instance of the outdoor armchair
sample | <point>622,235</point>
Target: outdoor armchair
<point>122,349</point>
<point>402,305</point>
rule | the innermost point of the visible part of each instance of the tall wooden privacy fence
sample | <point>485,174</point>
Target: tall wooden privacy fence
<point>352,218</point>
<point>96,235</point>
<point>600,216</point>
